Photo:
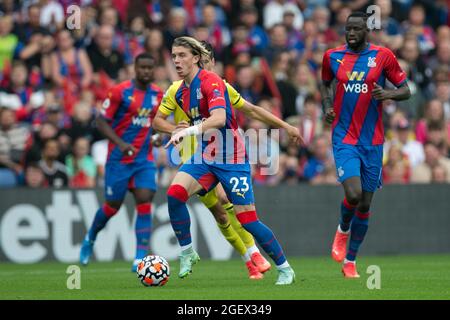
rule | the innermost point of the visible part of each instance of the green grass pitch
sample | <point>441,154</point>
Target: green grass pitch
<point>402,277</point>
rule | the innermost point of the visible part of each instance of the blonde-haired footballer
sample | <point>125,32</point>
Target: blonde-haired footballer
<point>216,200</point>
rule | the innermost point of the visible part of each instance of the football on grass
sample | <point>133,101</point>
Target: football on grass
<point>153,271</point>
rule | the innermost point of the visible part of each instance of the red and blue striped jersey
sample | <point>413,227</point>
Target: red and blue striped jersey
<point>359,116</point>
<point>206,93</point>
<point>130,112</point>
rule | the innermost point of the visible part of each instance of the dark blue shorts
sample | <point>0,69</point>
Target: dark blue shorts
<point>365,162</point>
<point>235,178</point>
<point>121,177</point>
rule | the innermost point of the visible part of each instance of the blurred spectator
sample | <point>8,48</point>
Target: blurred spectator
<point>342,13</point>
<point>13,143</point>
<point>84,35</point>
<point>219,35</point>
<point>239,44</point>
<point>281,66</point>
<point>83,123</point>
<point>424,33</point>
<point>327,35</point>
<point>154,44</point>
<point>439,174</point>
<point>263,153</point>
<point>177,26</point>
<point>257,35</point>
<point>434,114</point>
<point>404,138</point>
<point>103,57</point>
<point>71,69</point>
<point>55,172</point>
<point>311,124</point>
<point>442,57</point>
<point>274,10</point>
<point>294,35</point>
<point>34,176</point>
<point>36,42</point>
<point>320,159</point>
<point>22,97</point>
<point>135,38</point>
<point>109,17</point>
<point>419,72</point>
<point>8,42</point>
<point>442,93</point>
<point>412,107</point>
<point>289,169</point>
<point>397,169</point>
<point>423,172</point>
<point>390,32</point>
<point>438,136</point>
<point>81,168</point>
<point>278,43</point>
<point>304,81</point>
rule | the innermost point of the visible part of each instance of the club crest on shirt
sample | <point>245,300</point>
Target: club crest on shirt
<point>106,103</point>
<point>371,63</point>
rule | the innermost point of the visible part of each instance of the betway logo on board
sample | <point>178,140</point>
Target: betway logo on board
<point>25,226</point>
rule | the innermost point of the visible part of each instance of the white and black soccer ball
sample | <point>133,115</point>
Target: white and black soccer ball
<point>153,271</point>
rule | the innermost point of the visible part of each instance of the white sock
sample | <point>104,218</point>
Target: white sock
<point>344,232</point>
<point>251,250</point>
<point>283,265</point>
<point>348,261</point>
<point>187,248</point>
<point>246,256</point>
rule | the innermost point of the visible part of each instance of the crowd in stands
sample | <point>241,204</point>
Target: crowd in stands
<point>56,67</point>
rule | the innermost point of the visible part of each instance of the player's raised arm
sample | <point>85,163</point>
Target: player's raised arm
<point>258,113</point>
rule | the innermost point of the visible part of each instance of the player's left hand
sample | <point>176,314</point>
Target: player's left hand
<point>294,135</point>
<point>379,93</point>
<point>157,140</point>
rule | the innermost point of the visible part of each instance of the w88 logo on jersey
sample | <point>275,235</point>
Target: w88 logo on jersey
<point>356,87</point>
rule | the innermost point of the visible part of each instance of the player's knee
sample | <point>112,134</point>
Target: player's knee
<point>144,208</point>
<point>110,209</point>
<point>247,217</point>
<point>223,199</point>
<point>221,218</point>
<point>364,206</point>
<point>177,194</point>
<point>353,197</point>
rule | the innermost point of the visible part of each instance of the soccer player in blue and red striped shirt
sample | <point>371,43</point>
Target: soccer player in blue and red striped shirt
<point>126,119</point>
<point>221,157</point>
<point>360,70</point>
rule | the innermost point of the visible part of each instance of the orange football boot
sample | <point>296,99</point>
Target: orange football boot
<point>260,262</point>
<point>339,249</point>
<point>349,270</point>
<point>253,272</point>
